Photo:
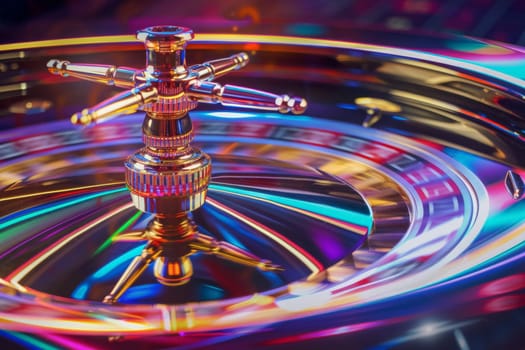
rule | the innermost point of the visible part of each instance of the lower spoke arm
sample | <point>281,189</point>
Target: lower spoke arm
<point>230,252</point>
<point>125,102</point>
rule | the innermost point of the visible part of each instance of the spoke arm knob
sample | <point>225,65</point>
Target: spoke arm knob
<point>238,96</point>
<point>119,76</point>
<point>227,251</point>
<point>210,70</point>
<point>125,102</point>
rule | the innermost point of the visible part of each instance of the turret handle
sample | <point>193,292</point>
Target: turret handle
<point>123,77</point>
<point>238,96</point>
<point>210,70</point>
<point>167,88</point>
<point>125,102</point>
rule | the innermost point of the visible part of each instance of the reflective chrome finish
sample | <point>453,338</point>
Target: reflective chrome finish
<point>238,96</point>
<point>121,103</point>
<point>514,184</point>
<point>168,177</point>
<point>216,68</point>
<point>167,184</point>
<point>167,87</point>
<point>111,75</point>
<point>429,247</point>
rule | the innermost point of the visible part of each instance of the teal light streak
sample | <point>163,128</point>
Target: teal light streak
<point>114,264</point>
<point>243,115</point>
<point>232,115</point>
<point>121,229</point>
<point>505,219</point>
<point>28,341</point>
<point>319,208</point>
<point>48,209</point>
<point>495,259</point>
<point>511,65</point>
<point>307,29</point>
<point>81,291</point>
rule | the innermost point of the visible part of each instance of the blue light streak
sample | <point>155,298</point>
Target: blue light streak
<point>114,266</point>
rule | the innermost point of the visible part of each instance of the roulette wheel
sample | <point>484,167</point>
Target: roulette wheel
<point>388,214</point>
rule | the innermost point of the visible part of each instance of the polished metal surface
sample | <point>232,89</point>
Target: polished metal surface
<point>169,178</point>
<point>372,211</point>
<point>514,184</point>
<point>167,87</point>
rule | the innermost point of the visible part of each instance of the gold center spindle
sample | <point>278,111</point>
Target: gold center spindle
<point>169,177</point>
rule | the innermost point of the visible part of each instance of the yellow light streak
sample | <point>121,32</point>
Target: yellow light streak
<point>218,38</point>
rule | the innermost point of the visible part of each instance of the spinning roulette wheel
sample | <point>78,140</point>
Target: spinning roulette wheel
<point>388,215</point>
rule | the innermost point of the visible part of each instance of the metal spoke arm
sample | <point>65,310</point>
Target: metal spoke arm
<point>238,96</point>
<point>210,70</point>
<point>224,250</point>
<point>125,102</point>
<point>169,178</point>
<point>168,83</point>
<point>137,266</point>
<point>123,77</point>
